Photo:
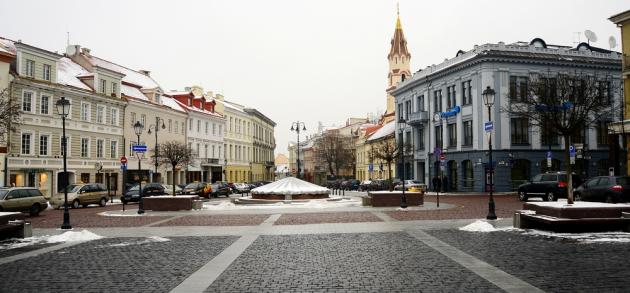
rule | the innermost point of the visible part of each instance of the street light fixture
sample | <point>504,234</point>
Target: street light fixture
<point>401,125</point>
<point>297,129</point>
<point>488,99</point>
<point>137,129</point>
<point>63,109</point>
<point>156,128</point>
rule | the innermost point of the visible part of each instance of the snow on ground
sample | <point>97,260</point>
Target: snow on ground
<point>599,237</point>
<point>311,204</point>
<point>68,236</point>
<point>479,226</point>
<point>562,203</point>
<point>150,239</point>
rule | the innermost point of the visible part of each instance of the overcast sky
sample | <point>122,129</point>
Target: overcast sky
<point>320,60</point>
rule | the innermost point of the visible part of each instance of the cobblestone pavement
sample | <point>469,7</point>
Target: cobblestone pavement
<point>113,265</point>
<point>467,207</point>
<point>6,249</point>
<point>317,218</point>
<point>216,220</point>
<point>377,262</point>
<point>550,264</point>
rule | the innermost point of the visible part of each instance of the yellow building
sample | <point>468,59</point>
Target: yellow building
<point>622,20</point>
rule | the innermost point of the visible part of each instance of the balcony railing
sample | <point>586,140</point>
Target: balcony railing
<point>417,118</point>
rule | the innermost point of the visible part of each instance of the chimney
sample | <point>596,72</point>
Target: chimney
<point>85,51</point>
<point>187,89</point>
<point>145,72</point>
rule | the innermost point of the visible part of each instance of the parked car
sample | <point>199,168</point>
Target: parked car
<point>149,189</point>
<point>241,187</point>
<point>169,189</point>
<point>351,184</point>
<point>219,188</point>
<point>611,189</point>
<point>81,195</point>
<point>411,184</point>
<point>365,185</point>
<point>198,188</point>
<point>22,199</point>
<point>550,186</point>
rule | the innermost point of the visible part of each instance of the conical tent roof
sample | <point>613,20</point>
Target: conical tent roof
<point>290,185</point>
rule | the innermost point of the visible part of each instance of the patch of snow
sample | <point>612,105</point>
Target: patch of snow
<point>599,237</point>
<point>71,236</point>
<point>478,226</point>
<point>562,203</point>
<point>384,131</point>
<point>150,239</point>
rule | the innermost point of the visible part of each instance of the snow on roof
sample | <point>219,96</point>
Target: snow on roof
<point>234,106</point>
<point>131,76</point>
<point>133,92</point>
<point>171,103</point>
<point>384,131</point>
<point>290,185</point>
<point>195,109</point>
<point>7,46</point>
<point>67,72</point>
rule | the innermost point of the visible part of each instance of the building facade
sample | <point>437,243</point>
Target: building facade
<point>452,90</point>
<point>622,20</point>
<point>238,144</point>
<point>263,145</point>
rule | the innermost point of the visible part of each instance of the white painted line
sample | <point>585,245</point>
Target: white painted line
<point>493,274</point>
<point>206,275</point>
<point>272,219</point>
<point>162,221</point>
<point>383,216</point>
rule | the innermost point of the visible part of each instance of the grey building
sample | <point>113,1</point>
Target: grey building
<point>452,90</point>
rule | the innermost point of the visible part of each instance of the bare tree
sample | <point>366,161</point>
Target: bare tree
<point>176,154</point>
<point>334,151</point>
<point>565,104</point>
<point>10,113</point>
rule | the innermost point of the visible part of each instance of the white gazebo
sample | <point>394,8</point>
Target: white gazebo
<point>290,188</point>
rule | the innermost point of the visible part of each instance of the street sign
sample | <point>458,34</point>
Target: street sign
<point>572,160</point>
<point>549,163</point>
<point>488,126</point>
<point>437,151</point>
<point>548,154</point>
<point>123,167</point>
<point>123,160</point>
<point>571,151</point>
<point>371,167</point>
<point>139,148</point>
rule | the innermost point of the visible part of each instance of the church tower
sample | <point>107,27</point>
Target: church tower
<point>399,58</point>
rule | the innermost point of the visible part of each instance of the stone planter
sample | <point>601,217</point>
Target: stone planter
<point>393,199</point>
<point>169,203</point>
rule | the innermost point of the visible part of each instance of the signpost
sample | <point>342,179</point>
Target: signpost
<point>488,126</point>
<point>548,159</point>
<point>572,154</point>
<point>138,148</point>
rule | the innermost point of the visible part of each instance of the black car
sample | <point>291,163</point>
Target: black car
<point>549,186</point>
<point>219,188</point>
<point>611,189</point>
<point>201,189</point>
<point>149,189</point>
<point>351,184</point>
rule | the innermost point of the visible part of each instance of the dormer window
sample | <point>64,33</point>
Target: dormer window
<point>46,72</point>
<point>30,68</point>
<point>157,97</point>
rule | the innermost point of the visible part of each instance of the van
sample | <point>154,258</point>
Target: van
<point>22,199</point>
<point>82,195</point>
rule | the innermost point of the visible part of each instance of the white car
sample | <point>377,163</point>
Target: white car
<point>169,189</point>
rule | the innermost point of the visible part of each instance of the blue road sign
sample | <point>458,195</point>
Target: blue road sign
<point>548,155</point>
<point>139,148</point>
<point>123,167</point>
<point>371,167</point>
<point>437,152</point>
<point>571,151</point>
<point>488,126</point>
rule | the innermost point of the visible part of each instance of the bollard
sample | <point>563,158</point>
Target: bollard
<point>343,192</point>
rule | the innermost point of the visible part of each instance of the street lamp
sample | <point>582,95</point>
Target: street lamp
<point>401,125</point>
<point>156,128</point>
<point>137,129</point>
<point>297,129</point>
<point>250,172</point>
<point>488,100</point>
<point>63,109</point>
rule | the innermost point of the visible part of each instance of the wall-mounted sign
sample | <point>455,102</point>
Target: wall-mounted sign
<point>451,112</point>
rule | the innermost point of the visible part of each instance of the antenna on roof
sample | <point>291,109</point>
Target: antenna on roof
<point>612,42</point>
<point>590,36</point>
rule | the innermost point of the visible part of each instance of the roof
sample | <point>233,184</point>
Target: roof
<point>197,110</point>
<point>399,43</point>
<point>384,131</point>
<point>131,76</point>
<point>620,17</point>
<point>172,103</point>
<point>68,72</point>
<point>7,46</point>
<point>233,106</point>
<point>290,185</point>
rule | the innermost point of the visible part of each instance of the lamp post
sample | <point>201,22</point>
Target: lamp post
<point>297,129</point>
<point>137,129</point>
<point>250,172</point>
<point>401,126</point>
<point>63,109</point>
<point>488,100</point>
<point>156,128</point>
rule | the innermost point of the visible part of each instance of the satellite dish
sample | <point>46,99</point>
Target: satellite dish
<point>70,50</point>
<point>612,42</point>
<point>590,36</point>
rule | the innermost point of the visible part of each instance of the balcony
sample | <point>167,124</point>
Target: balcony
<point>417,118</point>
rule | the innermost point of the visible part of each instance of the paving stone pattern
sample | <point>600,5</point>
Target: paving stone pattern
<point>375,262</point>
<point>217,220</point>
<point>89,217</point>
<point>318,218</point>
<point>113,265</point>
<point>468,207</point>
<point>5,252</point>
<point>550,264</point>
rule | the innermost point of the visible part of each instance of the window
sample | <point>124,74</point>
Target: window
<point>103,86</point>
<point>579,137</point>
<point>518,88</point>
<point>437,101</point>
<point>466,93</point>
<point>177,127</point>
<point>467,169</point>
<point>214,129</point>
<point>198,125</point>
<point>190,124</point>
<point>114,88</point>
<point>170,125</point>
<point>26,144</point>
<point>143,120</point>
<point>29,69</point>
<point>133,118</point>
<point>450,95</point>
<point>548,136</point>
<point>438,136</point>
<point>513,88</point>
<point>85,147</point>
<point>519,128</point>
<point>468,133</point>
<point>220,126</point>
<point>61,144</point>
<point>114,118</point>
<point>420,139</point>
<point>407,109</point>
<point>100,114</point>
<point>522,89</point>
<point>198,149</point>
<point>207,127</point>
<point>46,72</point>
<point>205,151</point>
<point>420,103</point>
<point>43,145</point>
<point>231,121</point>
<point>213,152</point>
<point>27,101</point>
<point>113,149</point>
<point>452,135</point>
<point>44,105</point>
<point>85,112</point>
<point>602,132</point>
<point>100,144</point>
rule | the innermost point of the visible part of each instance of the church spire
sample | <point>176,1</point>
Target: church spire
<point>398,58</point>
<point>398,26</point>
<point>399,43</point>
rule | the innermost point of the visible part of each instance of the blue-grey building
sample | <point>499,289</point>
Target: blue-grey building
<point>445,113</point>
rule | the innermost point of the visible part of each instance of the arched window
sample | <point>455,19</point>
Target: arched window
<point>467,173</point>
